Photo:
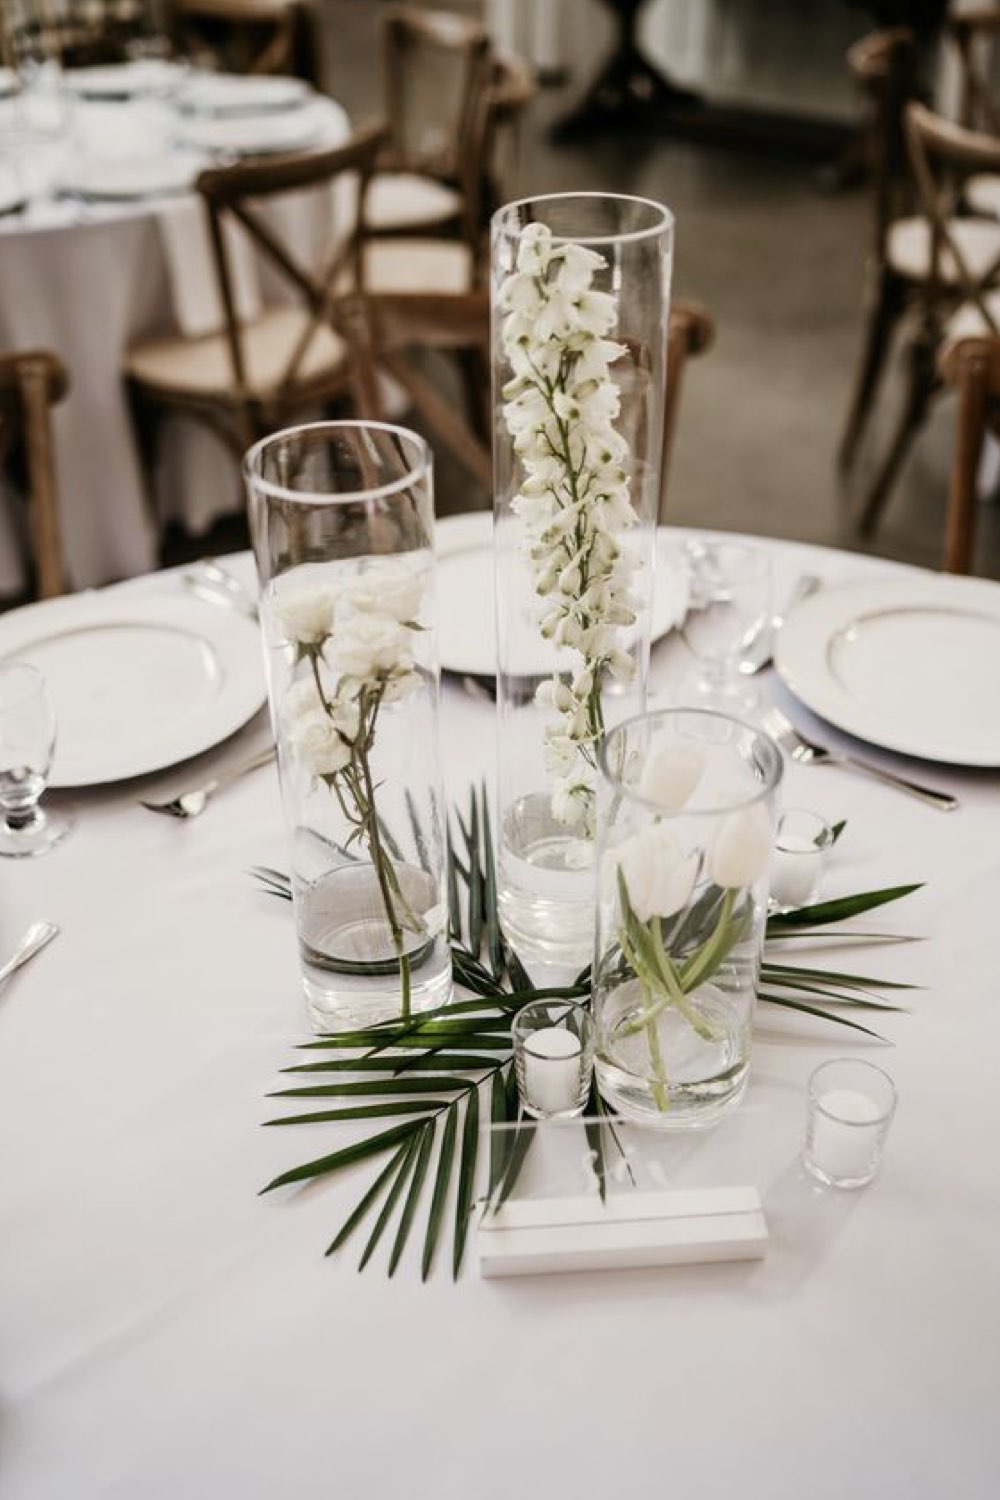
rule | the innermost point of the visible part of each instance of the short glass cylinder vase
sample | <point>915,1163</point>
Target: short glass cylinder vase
<point>581,289</point>
<point>687,812</point>
<point>341,515</point>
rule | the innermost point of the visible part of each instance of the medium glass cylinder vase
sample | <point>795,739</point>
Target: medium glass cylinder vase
<point>341,516</point>
<point>687,811</point>
<point>581,286</point>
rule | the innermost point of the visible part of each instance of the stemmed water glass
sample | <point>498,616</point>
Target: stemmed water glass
<point>27,743</point>
<point>730,595</point>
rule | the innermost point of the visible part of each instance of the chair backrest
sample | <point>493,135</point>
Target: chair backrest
<point>972,367</point>
<point>508,87</point>
<point>433,65</point>
<point>232,193</point>
<point>30,383</point>
<point>249,36</point>
<point>976,38</point>
<point>883,64</point>
<point>942,156</point>
<point>690,331</point>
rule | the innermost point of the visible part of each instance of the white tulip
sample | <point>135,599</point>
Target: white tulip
<point>670,773</point>
<point>305,615</point>
<point>371,646</point>
<point>658,876</point>
<point>741,849</point>
<point>394,588</point>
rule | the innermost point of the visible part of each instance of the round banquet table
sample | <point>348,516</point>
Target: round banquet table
<point>167,1332</point>
<point>89,278</point>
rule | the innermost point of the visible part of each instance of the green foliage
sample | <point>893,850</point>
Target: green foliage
<point>432,1077</point>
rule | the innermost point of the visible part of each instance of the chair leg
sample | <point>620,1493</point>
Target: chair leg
<point>882,320</point>
<point>970,429</point>
<point>918,396</point>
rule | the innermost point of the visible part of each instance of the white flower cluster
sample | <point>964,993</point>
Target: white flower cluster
<point>560,407</point>
<point>364,636</point>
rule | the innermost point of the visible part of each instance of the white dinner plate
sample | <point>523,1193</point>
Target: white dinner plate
<point>154,174</point>
<point>253,135</point>
<point>120,80</point>
<point>139,681</point>
<point>909,664</point>
<point>466,593</point>
<point>241,94</point>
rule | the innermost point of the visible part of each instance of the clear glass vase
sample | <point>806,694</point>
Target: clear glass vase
<point>581,287</point>
<point>341,515</point>
<point>687,812</point>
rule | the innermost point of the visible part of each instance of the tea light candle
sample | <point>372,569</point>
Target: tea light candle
<point>845,1135</point>
<point>796,867</point>
<point>552,1062</point>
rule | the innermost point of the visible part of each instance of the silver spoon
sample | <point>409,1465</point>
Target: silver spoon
<point>34,940</point>
<point>191,804</point>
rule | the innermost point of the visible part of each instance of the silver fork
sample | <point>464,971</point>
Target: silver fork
<point>807,752</point>
<point>193,803</point>
<point>213,582</point>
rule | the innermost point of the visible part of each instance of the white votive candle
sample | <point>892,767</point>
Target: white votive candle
<point>796,868</point>
<point>552,1060</point>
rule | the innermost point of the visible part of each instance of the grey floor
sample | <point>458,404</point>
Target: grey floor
<point>779,262</point>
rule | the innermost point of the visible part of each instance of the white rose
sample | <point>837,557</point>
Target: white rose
<point>741,850</point>
<point>305,615</point>
<point>316,744</point>
<point>394,589</point>
<point>300,699</point>
<point>401,685</point>
<point>370,645</point>
<point>658,876</point>
<point>670,773</point>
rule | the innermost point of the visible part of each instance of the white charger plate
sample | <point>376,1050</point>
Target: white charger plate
<point>911,664</point>
<point>467,594</point>
<point>241,94</point>
<point>120,80</point>
<point>119,179</point>
<point>254,135</point>
<point>139,681</point>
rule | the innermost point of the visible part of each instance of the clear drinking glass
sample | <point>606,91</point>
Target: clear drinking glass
<point>27,744</point>
<point>686,824</point>
<point>730,599</point>
<point>581,295</point>
<point>341,515</point>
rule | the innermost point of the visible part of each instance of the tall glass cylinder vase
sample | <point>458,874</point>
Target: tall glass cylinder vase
<point>341,515</point>
<point>687,809</point>
<point>581,287</point>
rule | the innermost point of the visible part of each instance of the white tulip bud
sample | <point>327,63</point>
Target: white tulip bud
<point>670,773</point>
<point>742,849</point>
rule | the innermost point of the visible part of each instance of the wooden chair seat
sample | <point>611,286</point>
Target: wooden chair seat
<point>910,254</point>
<point>982,194</point>
<point>203,366</point>
<point>416,266</point>
<point>404,200</point>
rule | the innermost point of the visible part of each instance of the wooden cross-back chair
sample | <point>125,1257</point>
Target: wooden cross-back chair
<point>970,366</point>
<point>689,332</point>
<point>255,374</point>
<point>960,292</point>
<point>249,36</point>
<point>975,35</point>
<point>30,384</point>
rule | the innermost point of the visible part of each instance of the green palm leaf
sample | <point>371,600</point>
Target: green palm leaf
<point>439,1196</point>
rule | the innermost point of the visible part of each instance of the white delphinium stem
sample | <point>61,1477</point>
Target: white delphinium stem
<point>560,407</point>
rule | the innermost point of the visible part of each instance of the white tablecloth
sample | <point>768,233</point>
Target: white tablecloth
<point>88,281</point>
<point>166,1332</point>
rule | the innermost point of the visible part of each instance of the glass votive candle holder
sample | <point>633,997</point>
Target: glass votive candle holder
<point>851,1105</point>
<point>802,847</point>
<point>553,1058</point>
